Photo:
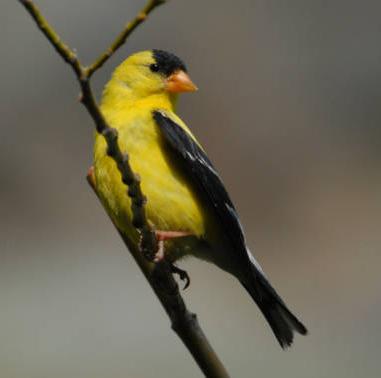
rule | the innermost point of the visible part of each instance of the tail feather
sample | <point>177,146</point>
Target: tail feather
<point>281,320</point>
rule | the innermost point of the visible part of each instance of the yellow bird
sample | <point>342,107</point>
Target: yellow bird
<point>187,203</point>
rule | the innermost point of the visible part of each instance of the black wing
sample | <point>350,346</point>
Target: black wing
<point>196,164</point>
<point>199,168</point>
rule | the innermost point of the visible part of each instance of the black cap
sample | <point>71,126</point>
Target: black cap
<point>166,63</point>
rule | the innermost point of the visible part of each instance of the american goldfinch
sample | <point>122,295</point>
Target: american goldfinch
<point>187,203</point>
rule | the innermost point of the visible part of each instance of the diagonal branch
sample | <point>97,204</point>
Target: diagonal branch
<point>183,322</point>
<point>87,98</point>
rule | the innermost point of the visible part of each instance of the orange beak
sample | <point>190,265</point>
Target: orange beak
<point>178,82</point>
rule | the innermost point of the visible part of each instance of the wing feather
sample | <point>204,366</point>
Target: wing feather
<point>200,169</point>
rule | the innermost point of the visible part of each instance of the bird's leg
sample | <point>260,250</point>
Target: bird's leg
<point>184,276</point>
<point>168,235</point>
<point>162,236</point>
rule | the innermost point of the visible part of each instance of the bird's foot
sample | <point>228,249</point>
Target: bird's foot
<point>161,237</point>
<point>184,276</point>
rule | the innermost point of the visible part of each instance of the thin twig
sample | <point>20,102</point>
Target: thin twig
<point>183,322</point>
<point>87,98</point>
<point>124,34</point>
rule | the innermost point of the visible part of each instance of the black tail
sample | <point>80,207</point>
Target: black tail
<point>281,320</point>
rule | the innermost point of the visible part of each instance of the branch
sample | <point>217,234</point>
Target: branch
<point>124,34</point>
<point>183,322</point>
<point>129,178</point>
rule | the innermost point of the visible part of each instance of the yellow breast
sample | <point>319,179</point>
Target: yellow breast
<point>171,202</point>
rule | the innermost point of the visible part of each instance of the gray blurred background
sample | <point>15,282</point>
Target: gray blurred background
<point>289,111</point>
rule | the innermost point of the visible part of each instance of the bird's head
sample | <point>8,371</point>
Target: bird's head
<point>152,72</point>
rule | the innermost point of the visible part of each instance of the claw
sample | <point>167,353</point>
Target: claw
<point>161,237</point>
<point>184,276</point>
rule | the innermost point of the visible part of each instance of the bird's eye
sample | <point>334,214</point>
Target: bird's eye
<point>154,67</point>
